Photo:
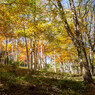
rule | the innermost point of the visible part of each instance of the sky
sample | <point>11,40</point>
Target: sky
<point>65,3</point>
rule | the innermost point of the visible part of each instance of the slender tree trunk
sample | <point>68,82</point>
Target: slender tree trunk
<point>31,55</point>
<point>54,63</point>
<point>61,67</point>
<point>16,50</point>
<point>91,59</point>
<point>45,58</point>
<point>81,68</point>
<point>12,51</point>
<point>92,69</point>
<point>0,53</point>
<point>35,57</point>
<point>26,48</point>
<point>0,46</point>
<point>91,65</point>
<point>68,66</point>
<point>42,54</point>
<point>38,63</point>
<point>71,70</point>
<point>64,66</point>
<point>27,52</point>
<point>36,54</point>
<point>6,52</point>
<point>77,70</point>
<point>50,65</point>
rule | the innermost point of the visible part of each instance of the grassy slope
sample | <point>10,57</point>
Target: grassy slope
<point>23,82</point>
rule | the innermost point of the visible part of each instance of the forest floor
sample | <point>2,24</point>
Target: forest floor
<point>17,81</point>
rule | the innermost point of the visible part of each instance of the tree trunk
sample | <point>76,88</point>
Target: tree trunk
<point>54,63</point>
<point>41,54</point>
<point>0,53</point>
<point>12,51</point>
<point>81,68</point>
<point>6,52</point>
<point>16,50</point>
<point>45,58</point>
<point>94,22</point>
<point>50,65</point>
<point>35,55</point>
<point>64,66</point>
<point>61,67</point>
<point>83,59</point>
<point>0,46</point>
<point>77,70</point>
<point>26,48</point>
<point>31,55</point>
<point>27,52</point>
<point>92,69</point>
<point>91,60</point>
<point>71,70</point>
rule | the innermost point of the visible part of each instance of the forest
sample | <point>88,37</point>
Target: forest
<point>47,47</point>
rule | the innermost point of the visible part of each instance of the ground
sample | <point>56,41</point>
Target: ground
<point>17,81</point>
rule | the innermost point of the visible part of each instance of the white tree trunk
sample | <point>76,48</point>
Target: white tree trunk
<point>16,50</point>
<point>41,53</point>
<point>54,63</point>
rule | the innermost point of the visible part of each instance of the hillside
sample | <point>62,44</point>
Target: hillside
<point>24,82</point>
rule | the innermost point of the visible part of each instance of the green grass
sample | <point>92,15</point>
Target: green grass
<point>20,81</point>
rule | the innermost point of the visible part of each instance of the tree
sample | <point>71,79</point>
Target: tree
<point>76,37</point>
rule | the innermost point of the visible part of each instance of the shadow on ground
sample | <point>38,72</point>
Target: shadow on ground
<point>24,82</point>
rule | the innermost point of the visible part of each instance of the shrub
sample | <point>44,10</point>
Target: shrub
<point>44,70</point>
<point>14,64</point>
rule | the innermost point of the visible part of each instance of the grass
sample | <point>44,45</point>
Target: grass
<point>20,81</point>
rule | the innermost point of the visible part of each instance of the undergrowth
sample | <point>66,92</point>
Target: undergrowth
<point>24,82</point>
